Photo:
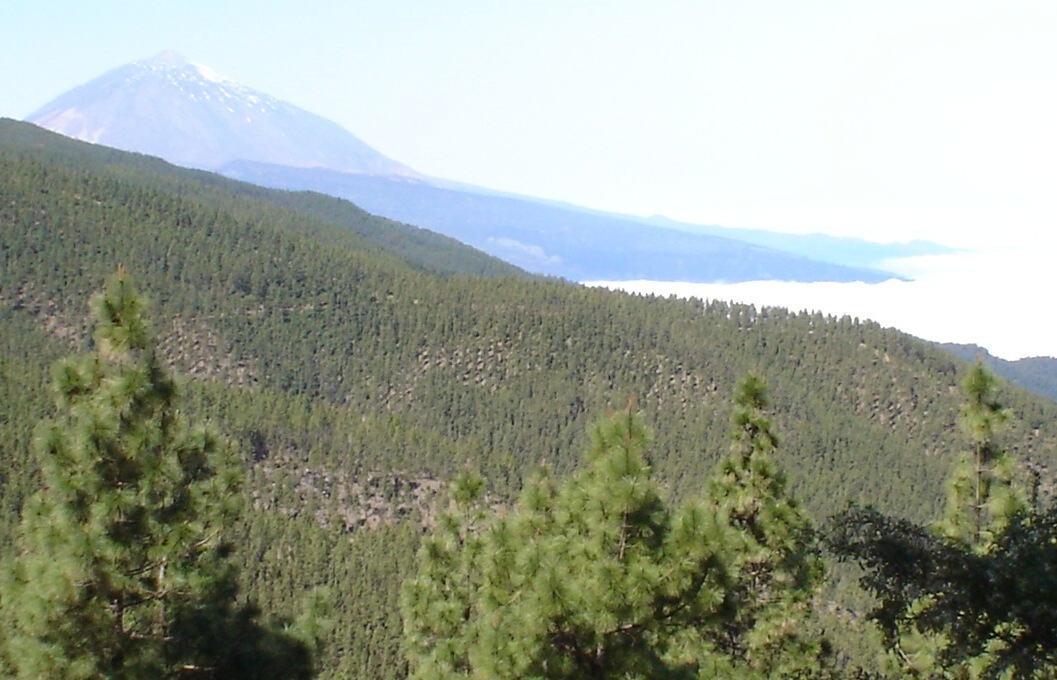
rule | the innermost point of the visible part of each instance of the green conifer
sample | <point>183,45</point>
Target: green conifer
<point>981,502</point>
<point>122,568</point>
<point>966,597</point>
<point>598,577</point>
<point>777,571</point>
<point>981,499</point>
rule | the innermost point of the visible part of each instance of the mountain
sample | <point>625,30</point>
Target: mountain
<point>418,248</point>
<point>1038,374</point>
<point>187,114</point>
<point>545,238</point>
<point>355,374</point>
<point>855,252</point>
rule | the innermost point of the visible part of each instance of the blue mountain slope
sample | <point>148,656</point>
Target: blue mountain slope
<point>185,113</point>
<point>549,239</point>
<point>854,252</point>
<point>1038,374</point>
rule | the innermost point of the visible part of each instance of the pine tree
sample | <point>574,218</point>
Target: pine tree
<point>981,499</point>
<point>596,577</point>
<point>777,571</point>
<point>592,578</point>
<point>981,502</point>
<point>123,569</point>
<point>439,603</point>
<point>970,597</point>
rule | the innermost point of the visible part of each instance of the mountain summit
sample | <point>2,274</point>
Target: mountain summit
<point>187,113</point>
<point>190,115</point>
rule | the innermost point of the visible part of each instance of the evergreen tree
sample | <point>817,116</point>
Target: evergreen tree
<point>597,577</point>
<point>122,568</point>
<point>981,502</point>
<point>949,612</point>
<point>439,603</point>
<point>777,572</point>
<point>970,597</point>
<point>981,499</point>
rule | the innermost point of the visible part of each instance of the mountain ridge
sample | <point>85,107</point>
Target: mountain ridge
<point>350,376</point>
<point>186,113</point>
<point>838,249</point>
<point>1038,374</point>
<point>311,319</point>
<point>419,248</point>
<point>581,245</point>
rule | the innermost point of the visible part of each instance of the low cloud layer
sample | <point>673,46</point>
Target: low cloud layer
<point>1002,301</point>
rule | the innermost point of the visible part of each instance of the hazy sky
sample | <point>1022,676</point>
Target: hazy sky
<point>888,120</point>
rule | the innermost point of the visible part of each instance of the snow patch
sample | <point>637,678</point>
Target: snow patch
<point>208,74</point>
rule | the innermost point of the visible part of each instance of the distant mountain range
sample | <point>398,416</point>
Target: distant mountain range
<point>545,238</point>
<point>854,252</point>
<point>187,114</point>
<point>1038,374</point>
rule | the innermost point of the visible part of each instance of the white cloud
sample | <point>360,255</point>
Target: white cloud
<point>998,300</point>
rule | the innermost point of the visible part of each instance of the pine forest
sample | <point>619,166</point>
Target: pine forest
<point>254,433</point>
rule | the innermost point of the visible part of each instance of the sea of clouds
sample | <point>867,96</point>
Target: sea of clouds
<point>1002,300</point>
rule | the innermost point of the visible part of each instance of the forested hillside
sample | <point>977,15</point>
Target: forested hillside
<point>358,364</point>
<point>1038,374</point>
<point>417,247</point>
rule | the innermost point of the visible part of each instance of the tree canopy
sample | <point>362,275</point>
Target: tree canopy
<point>598,576</point>
<point>356,367</point>
<point>973,595</point>
<point>123,567</point>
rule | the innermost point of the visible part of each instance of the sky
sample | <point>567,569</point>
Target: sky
<point>884,120</point>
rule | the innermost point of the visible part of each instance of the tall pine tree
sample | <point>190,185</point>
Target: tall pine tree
<point>777,571</point>
<point>971,596</point>
<point>980,497</point>
<point>591,578</point>
<point>122,568</point>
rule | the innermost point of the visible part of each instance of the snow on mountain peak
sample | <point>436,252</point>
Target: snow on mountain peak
<point>173,60</point>
<point>208,73</point>
<point>187,113</point>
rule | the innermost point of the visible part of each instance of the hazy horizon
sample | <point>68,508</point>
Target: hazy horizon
<point>887,122</point>
<point>949,299</point>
